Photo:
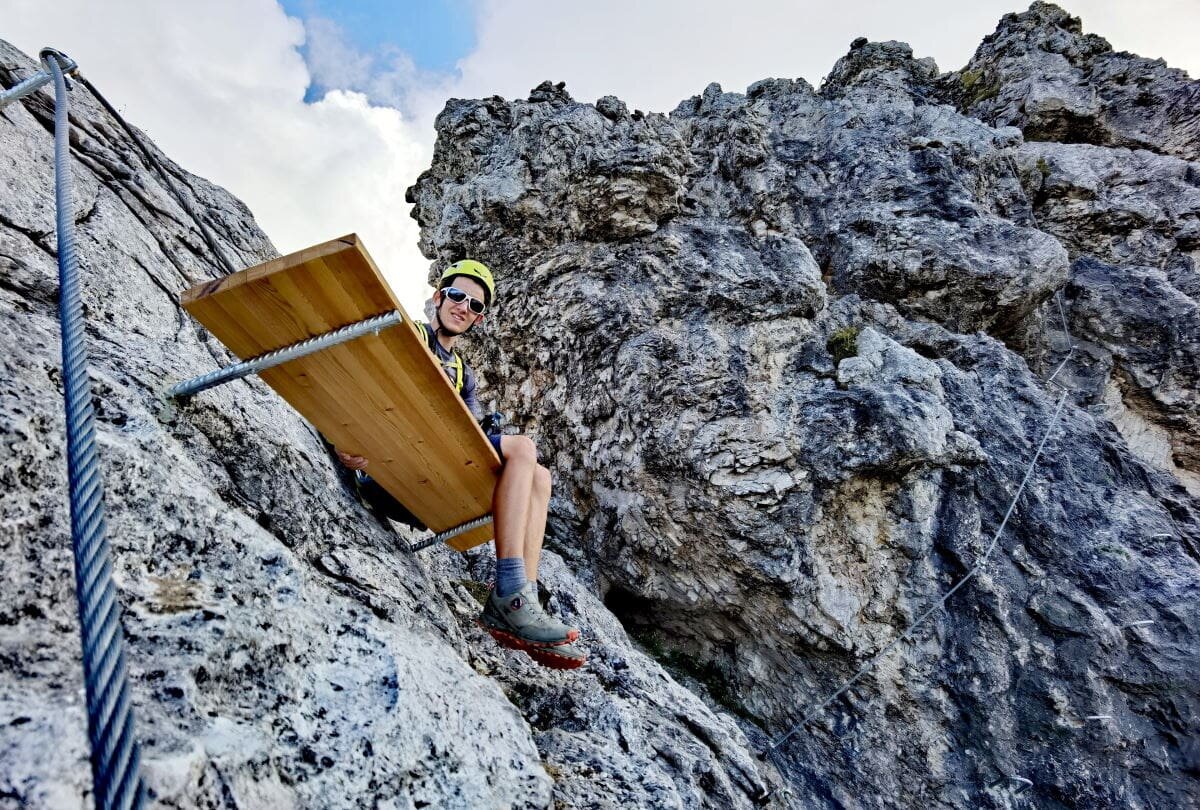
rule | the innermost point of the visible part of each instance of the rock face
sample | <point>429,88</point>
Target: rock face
<point>283,651</point>
<point>1131,224</point>
<point>1138,211</point>
<point>789,400</point>
<point>1040,72</point>
<point>786,353</point>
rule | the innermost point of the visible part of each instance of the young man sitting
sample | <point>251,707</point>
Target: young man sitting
<point>512,613</point>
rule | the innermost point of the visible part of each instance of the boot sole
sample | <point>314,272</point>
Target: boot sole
<point>552,660</point>
<point>543,654</point>
<point>515,642</point>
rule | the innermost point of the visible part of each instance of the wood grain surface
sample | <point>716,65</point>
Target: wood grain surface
<point>380,396</point>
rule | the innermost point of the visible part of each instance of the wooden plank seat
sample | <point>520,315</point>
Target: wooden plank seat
<point>381,396</point>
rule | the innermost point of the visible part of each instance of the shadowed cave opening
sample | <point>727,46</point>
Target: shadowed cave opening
<point>661,633</point>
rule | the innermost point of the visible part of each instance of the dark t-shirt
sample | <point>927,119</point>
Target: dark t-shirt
<point>446,358</point>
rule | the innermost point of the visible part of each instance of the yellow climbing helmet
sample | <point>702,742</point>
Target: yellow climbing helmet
<point>471,269</point>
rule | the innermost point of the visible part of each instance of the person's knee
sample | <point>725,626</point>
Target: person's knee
<point>541,482</point>
<point>519,450</point>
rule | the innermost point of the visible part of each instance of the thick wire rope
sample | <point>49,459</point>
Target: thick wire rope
<point>907,635</point>
<point>115,753</point>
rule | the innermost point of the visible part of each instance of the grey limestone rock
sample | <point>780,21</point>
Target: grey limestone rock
<point>1130,221</point>
<point>1040,72</point>
<point>769,478</point>
<point>898,197</point>
<point>283,651</point>
<point>611,176</point>
<point>786,353</point>
<point>1141,335</point>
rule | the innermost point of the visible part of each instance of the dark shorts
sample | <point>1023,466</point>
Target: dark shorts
<point>494,438</point>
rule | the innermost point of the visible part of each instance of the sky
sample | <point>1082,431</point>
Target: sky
<point>318,114</point>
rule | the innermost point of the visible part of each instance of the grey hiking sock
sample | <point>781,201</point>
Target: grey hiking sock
<point>510,575</point>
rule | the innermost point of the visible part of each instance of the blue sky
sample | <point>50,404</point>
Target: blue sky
<point>435,34</point>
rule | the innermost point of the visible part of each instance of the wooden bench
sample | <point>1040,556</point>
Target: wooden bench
<point>382,396</point>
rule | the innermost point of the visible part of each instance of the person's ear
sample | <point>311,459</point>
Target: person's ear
<point>479,318</point>
<point>438,295</point>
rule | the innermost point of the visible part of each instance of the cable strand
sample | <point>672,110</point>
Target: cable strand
<point>164,175</point>
<point>940,603</point>
<point>115,752</point>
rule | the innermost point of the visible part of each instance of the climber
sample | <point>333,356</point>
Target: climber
<point>512,612</point>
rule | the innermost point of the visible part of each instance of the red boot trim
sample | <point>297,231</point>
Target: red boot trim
<point>515,642</point>
<point>549,658</point>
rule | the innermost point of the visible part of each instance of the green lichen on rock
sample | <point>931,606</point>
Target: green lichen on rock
<point>1113,550</point>
<point>975,89</point>
<point>476,589</point>
<point>843,343</point>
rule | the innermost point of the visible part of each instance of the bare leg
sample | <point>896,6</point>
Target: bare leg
<point>519,508</point>
<point>535,530</point>
<point>511,501</point>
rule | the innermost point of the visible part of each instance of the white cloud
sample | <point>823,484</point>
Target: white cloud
<point>387,77</point>
<point>654,55</point>
<point>219,86</point>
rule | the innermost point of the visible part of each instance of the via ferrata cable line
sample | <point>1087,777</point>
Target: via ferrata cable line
<point>115,754</point>
<point>163,174</point>
<point>908,634</point>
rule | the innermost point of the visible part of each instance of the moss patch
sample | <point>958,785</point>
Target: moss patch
<point>975,89</point>
<point>843,343</point>
<point>1113,550</point>
<point>476,589</point>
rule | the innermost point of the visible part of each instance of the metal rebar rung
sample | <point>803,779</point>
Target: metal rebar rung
<point>37,80</point>
<point>23,88</point>
<point>278,356</point>
<point>442,537</point>
<point>1017,784</point>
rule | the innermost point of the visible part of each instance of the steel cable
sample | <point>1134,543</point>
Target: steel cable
<point>907,635</point>
<point>115,755</point>
<point>164,175</point>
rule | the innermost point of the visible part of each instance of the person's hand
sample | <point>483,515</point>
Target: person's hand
<point>353,462</point>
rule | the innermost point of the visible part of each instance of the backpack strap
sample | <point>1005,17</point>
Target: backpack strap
<point>430,340</point>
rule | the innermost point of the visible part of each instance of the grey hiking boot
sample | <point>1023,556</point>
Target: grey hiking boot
<point>556,656</point>
<point>519,622</point>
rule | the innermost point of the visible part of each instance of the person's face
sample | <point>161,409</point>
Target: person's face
<point>458,318</point>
